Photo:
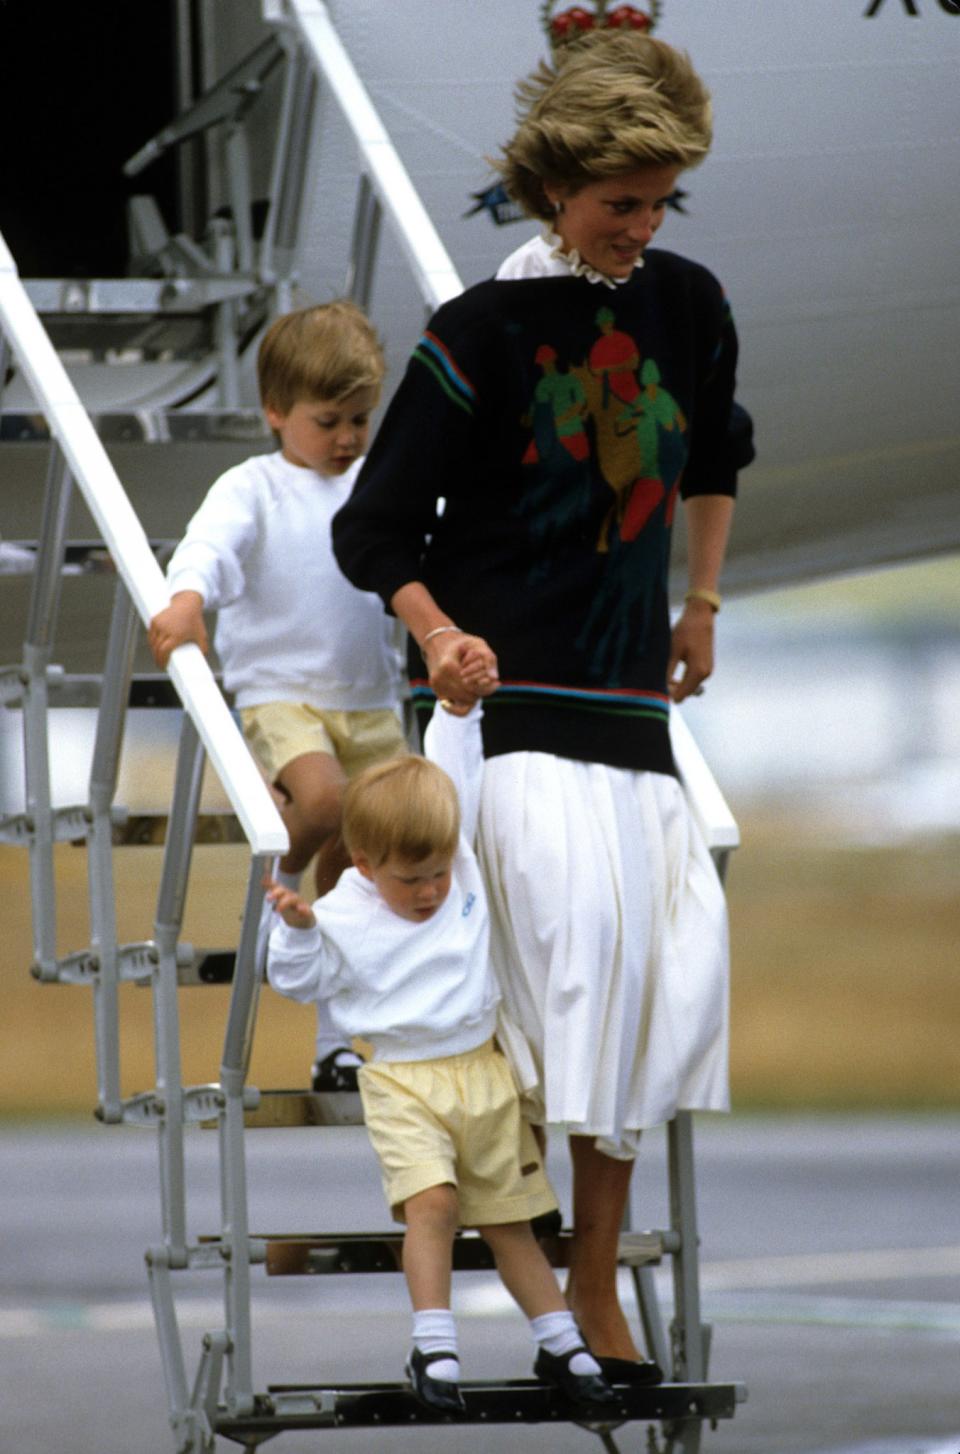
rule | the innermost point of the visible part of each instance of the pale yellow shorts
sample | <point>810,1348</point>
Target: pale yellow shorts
<point>455,1120</point>
<point>277,732</point>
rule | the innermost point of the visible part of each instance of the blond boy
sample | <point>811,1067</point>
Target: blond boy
<point>400,950</point>
<point>310,660</point>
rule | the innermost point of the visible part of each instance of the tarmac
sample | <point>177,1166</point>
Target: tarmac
<point>830,1268</point>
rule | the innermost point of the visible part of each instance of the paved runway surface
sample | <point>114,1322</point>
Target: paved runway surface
<point>830,1267</point>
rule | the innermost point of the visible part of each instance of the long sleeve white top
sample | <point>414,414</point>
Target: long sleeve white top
<point>413,991</point>
<point>290,626</point>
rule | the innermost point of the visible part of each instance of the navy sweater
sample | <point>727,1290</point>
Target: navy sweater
<point>559,421</point>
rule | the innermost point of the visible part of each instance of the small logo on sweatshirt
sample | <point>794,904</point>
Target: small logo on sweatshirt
<point>468,904</point>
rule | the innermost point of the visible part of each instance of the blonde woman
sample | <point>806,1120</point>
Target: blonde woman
<point>561,410</point>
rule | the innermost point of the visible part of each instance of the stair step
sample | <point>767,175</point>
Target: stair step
<point>208,966</point>
<point>282,1109</point>
<point>200,1105</point>
<point>293,1255</point>
<point>69,825</point>
<point>145,830</point>
<point>80,557</point>
<point>351,1405</point>
<point>84,689</point>
<point>137,963</point>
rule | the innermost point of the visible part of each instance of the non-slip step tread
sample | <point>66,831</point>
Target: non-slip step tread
<point>84,689</point>
<point>325,1253</point>
<point>290,1108</point>
<point>329,1405</point>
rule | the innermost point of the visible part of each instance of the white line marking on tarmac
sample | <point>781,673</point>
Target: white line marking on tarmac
<point>798,1309</point>
<point>831,1267</point>
<point>487,1298</point>
<point>895,1446</point>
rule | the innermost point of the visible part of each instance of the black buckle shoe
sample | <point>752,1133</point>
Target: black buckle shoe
<point>586,1390</point>
<point>438,1394</point>
<point>639,1372</point>
<point>328,1075</point>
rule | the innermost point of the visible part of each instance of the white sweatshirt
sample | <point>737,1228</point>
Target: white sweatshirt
<point>414,991</point>
<point>290,626</point>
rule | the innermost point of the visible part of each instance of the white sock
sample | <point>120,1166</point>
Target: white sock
<point>434,1331</point>
<point>559,1334</point>
<point>345,1057</point>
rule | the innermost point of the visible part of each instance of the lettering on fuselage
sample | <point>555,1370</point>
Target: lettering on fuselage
<point>911,7</point>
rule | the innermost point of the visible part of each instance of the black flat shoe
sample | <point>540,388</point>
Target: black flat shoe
<point>639,1372</point>
<point>330,1074</point>
<point>438,1394</point>
<point>586,1390</point>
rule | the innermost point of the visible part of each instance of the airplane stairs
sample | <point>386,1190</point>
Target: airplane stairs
<point>78,575</point>
<point>38,689</point>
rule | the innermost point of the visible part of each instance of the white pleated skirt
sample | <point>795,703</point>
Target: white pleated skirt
<point>609,939</point>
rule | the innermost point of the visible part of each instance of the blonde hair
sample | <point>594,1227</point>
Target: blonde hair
<point>613,102</point>
<point>325,352</point>
<point>404,808</point>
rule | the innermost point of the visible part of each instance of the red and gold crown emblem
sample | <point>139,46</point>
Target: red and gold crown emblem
<point>565,25</point>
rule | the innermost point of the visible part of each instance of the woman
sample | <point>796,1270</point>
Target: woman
<point>559,410</point>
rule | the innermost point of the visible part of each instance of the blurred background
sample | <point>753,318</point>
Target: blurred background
<point>833,726</point>
<point>828,209</point>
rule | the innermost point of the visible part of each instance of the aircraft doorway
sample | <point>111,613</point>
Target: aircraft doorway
<point>81,89</point>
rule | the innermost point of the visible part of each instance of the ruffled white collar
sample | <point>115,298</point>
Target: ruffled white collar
<point>545,257</point>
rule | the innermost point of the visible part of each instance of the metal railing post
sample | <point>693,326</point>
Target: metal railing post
<point>225,318</point>
<point>237,157</point>
<point>288,182</point>
<point>111,720</point>
<point>5,356</point>
<point>168,1333</point>
<point>44,603</point>
<point>170,901</point>
<point>688,1335</point>
<point>235,1233</point>
<point>688,1351</point>
<point>363,246</point>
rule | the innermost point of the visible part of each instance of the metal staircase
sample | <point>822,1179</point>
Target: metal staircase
<point>114,562</point>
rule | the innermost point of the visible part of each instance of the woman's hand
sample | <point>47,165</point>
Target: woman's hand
<point>691,647</point>
<point>287,902</point>
<point>461,668</point>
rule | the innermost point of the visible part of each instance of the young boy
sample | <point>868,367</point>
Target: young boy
<point>309,658</point>
<point>400,948</point>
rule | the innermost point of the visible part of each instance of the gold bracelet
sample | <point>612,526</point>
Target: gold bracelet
<point>436,632</point>
<point>699,593</point>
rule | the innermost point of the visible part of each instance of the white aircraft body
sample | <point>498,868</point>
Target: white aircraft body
<point>829,208</point>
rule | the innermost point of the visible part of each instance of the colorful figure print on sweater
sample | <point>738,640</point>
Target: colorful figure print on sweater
<point>607,421</point>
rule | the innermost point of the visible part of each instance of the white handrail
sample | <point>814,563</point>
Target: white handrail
<point>432,266</point>
<point>130,550</point>
<point>707,803</point>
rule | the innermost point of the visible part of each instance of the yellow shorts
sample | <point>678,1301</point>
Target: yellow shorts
<point>455,1120</point>
<point>277,732</point>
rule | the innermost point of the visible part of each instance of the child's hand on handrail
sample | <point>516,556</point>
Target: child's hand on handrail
<point>293,910</point>
<point>179,622</point>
